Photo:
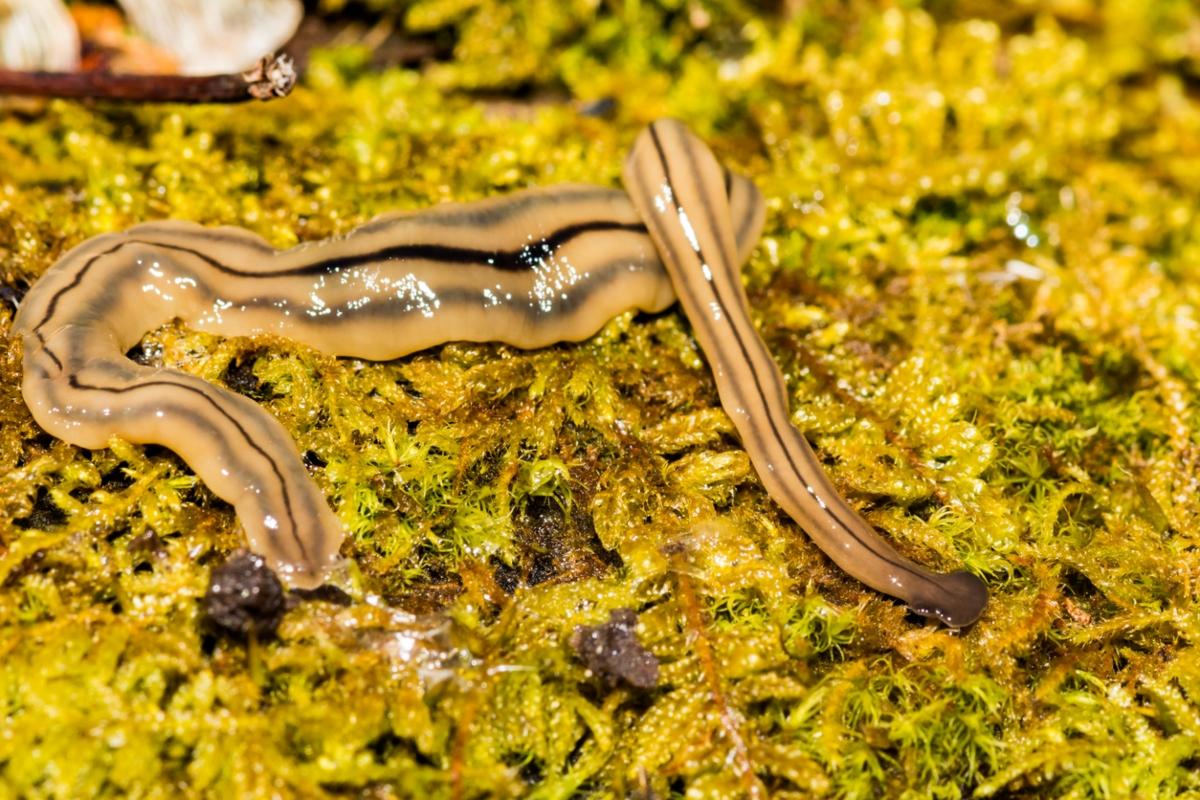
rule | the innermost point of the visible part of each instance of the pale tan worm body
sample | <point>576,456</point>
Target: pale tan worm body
<point>676,185</point>
<point>537,267</point>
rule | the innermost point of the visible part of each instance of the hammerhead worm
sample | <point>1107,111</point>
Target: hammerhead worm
<point>534,268</point>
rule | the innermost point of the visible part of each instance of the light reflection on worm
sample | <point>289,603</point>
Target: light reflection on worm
<point>676,184</point>
<point>535,268</point>
<point>531,269</point>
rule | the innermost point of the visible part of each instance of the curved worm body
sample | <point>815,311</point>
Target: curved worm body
<point>534,268</point>
<point>676,185</point>
<point>531,269</point>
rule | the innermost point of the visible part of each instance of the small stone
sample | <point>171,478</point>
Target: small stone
<point>613,653</point>
<point>245,596</point>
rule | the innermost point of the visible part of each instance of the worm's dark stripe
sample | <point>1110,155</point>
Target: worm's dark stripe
<point>74,382</point>
<point>534,314</point>
<point>238,237</point>
<point>865,543</point>
<point>506,260</point>
<point>49,352</point>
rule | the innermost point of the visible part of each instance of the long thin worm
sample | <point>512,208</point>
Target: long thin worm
<point>557,264</point>
<point>531,269</point>
<point>676,184</point>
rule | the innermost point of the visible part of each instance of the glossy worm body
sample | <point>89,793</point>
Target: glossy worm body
<point>534,268</point>
<point>530,269</point>
<point>676,185</point>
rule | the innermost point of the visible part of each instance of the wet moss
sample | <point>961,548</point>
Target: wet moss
<point>978,275</point>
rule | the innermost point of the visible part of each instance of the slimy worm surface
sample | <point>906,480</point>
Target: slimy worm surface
<point>530,269</point>
<point>676,184</point>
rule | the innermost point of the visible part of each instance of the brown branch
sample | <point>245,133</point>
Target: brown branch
<point>730,719</point>
<point>273,76</point>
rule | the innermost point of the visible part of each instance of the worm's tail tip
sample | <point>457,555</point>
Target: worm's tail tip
<point>959,601</point>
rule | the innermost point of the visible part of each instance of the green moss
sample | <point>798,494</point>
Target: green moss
<point>979,275</point>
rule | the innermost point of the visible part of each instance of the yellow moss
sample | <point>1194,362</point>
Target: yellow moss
<point>978,276</point>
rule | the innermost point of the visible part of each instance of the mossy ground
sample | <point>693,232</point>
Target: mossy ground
<point>980,274</point>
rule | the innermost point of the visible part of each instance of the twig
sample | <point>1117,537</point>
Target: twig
<point>273,76</point>
<point>730,719</point>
